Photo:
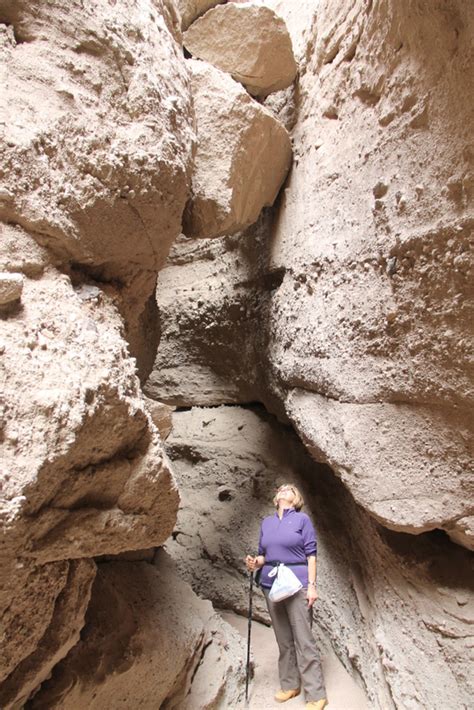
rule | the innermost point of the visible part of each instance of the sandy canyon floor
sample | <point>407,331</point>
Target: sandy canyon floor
<point>343,693</point>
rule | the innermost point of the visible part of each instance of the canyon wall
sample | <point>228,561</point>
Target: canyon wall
<point>346,311</point>
<point>311,328</point>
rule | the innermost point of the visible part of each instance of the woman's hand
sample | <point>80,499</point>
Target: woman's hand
<point>254,563</point>
<point>311,595</point>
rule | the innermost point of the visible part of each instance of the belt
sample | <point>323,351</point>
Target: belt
<point>274,563</point>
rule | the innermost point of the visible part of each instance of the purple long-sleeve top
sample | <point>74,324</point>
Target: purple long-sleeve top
<point>291,539</point>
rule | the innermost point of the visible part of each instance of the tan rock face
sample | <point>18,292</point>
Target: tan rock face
<point>98,128</point>
<point>86,471</point>
<point>407,465</point>
<point>41,625</point>
<point>249,42</point>
<point>373,309</point>
<point>396,608</point>
<point>242,158</point>
<point>83,469</point>
<point>148,641</point>
<point>190,10</point>
<point>211,305</point>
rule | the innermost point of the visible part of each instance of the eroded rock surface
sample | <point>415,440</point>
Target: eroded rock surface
<point>98,128</point>
<point>213,296</point>
<point>242,157</point>
<point>41,625</point>
<point>396,608</point>
<point>249,42</point>
<point>190,10</point>
<point>86,470</point>
<point>148,641</point>
<point>374,310</point>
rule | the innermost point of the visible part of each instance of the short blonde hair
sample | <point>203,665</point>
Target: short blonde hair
<point>298,502</point>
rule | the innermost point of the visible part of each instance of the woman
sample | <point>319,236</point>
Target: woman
<point>288,536</point>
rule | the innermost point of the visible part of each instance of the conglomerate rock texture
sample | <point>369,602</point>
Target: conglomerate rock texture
<point>96,168</point>
<point>366,330</point>
<point>340,305</point>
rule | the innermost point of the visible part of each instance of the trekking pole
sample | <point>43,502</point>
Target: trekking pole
<point>247,677</point>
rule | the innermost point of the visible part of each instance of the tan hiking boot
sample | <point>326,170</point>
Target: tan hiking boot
<point>283,695</point>
<point>316,704</point>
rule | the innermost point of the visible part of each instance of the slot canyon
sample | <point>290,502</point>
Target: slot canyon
<point>236,252</point>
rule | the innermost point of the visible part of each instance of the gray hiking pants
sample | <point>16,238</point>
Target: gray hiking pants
<point>299,664</point>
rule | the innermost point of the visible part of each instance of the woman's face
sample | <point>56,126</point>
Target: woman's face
<point>286,494</point>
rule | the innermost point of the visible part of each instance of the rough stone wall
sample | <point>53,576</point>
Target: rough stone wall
<point>97,151</point>
<point>346,312</point>
<point>147,636</point>
<point>370,329</point>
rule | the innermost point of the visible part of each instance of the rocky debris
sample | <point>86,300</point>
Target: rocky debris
<point>396,608</point>
<point>190,10</point>
<point>249,42</point>
<point>11,287</point>
<point>242,157</point>
<point>41,626</point>
<point>148,642</point>
<point>161,415</point>
<point>20,253</point>
<point>98,129</point>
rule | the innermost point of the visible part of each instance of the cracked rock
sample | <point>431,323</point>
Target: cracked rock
<point>248,41</point>
<point>242,158</point>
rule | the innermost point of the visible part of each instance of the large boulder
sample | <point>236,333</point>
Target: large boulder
<point>408,466</point>
<point>87,473</point>
<point>84,469</point>
<point>98,128</point>
<point>243,156</point>
<point>149,642</point>
<point>249,42</point>
<point>190,10</point>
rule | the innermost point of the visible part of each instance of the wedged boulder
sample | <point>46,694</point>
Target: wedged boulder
<point>249,42</point>
<point>242,157</point>
<point>190,10</point>
<point>41,625</point>
<point>148,642</point>
<point>99,135</point>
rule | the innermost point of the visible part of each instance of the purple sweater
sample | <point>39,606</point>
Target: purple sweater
<point>291,539</point>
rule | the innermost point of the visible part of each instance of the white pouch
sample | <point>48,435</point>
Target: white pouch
<point>286,583</point>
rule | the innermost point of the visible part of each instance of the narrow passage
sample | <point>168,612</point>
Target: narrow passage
<point>343,692</point>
